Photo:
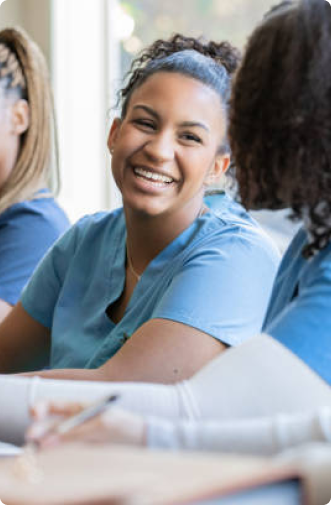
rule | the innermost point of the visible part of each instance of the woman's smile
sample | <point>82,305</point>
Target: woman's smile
<point>150,179</point>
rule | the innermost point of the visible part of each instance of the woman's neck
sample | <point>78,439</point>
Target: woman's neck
<point>147,235</point>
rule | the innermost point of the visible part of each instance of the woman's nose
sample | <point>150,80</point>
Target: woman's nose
<point>160,147</point>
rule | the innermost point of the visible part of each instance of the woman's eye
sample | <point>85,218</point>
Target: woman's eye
<point>146,123</point>
<point>190,137</point>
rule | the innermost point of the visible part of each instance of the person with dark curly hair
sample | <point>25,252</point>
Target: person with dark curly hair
<point>156,289</point>
<point>281,140</point>
<point>273,391</point>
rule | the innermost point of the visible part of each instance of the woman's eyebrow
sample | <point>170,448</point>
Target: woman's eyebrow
<point>153,113</point>
<point>147,109</point>
<point>198,124</point>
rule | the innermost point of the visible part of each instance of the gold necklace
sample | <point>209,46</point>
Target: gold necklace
<point>136,275</point>
<point>202,210</point>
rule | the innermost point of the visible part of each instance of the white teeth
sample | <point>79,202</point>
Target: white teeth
<point>152,175</point>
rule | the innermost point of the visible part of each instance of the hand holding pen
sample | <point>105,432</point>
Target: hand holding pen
<point>97,423</point>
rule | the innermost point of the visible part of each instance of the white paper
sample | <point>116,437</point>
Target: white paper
<point>9,450</point>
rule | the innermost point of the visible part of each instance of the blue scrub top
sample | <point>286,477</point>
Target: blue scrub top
<point>299,314</point>
<point>27,230</point>
<point>215,276</point>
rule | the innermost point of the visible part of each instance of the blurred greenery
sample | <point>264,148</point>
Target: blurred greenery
<point>231,20</point>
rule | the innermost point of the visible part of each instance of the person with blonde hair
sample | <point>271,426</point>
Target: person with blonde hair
<point>30,219</point>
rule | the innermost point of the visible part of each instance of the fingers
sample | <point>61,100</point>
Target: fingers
<point>112,426</point>
<point>40,431</point>
<point>44,409</point>
<point>46,417</point>
<point>92,431</point>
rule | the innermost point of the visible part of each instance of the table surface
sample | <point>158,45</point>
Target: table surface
<point>120,475</point>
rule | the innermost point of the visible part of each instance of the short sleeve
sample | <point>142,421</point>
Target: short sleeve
<point>25,236</point>
<point>303,326</point>
<point>40,296</point>
<point>222,290</point>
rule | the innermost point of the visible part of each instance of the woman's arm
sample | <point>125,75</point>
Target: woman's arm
<point>24,343</point>
<point>259,436</point>
<point>19,394</point>
<point>159,351</point>
<point>162,351</point>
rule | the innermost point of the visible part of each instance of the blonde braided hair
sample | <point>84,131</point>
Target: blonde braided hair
<point>10,67</point>
<point>23,71</point>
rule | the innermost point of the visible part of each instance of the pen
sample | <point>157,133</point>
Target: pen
<point>85,415</point>
<point>75,420</point>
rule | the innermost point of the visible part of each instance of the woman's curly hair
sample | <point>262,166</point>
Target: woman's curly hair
<point>280,124</point>
<point>216,69</point>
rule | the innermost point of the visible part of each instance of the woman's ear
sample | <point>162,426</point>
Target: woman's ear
<point>20,116</point>
<point>221,165</point>
<point>113,133</point>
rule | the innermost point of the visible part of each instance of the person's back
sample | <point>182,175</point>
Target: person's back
<point>299,314</point>
<point>289,165</point>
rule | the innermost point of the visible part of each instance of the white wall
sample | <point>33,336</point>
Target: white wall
<point>37,19</point>
<point>33,16</point>
<point>11,13</point>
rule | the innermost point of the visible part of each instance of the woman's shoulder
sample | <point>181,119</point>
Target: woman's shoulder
<point>40,212</point>
<point>314,271</point>
<point>230,214</point>
<point>320,265</point>
<point>100,224</point>
<point>234,225</point>
<point>296,247</point>
<point>226,207</point>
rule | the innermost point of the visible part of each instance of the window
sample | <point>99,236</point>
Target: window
<point>231,20</point>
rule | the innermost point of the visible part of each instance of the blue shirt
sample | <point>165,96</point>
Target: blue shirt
<point>215,276</point>
<point>27,230</point>
<point>299,315</point>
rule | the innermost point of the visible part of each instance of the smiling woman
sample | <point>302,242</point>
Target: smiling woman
<point>123,294</point>
<point>166,150</point>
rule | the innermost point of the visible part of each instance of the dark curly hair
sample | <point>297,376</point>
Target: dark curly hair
<point>209,62</point>
<point>280,126</point>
